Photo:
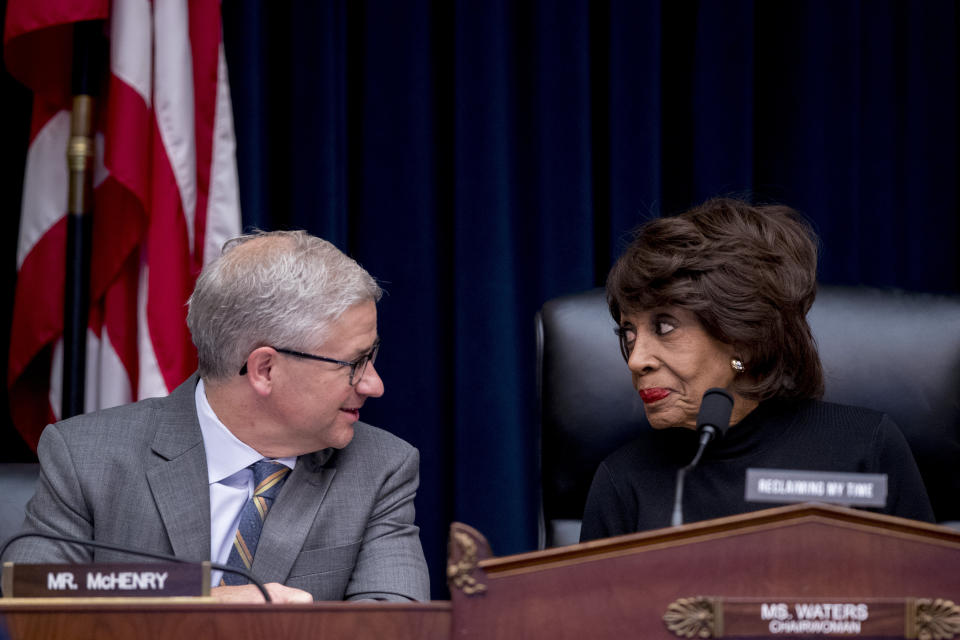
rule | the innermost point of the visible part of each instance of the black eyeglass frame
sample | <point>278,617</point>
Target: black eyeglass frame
<point>360,363</point>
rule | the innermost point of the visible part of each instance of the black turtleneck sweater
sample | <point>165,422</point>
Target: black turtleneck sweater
<point>634,487</point>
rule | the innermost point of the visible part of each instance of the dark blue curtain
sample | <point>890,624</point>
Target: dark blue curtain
<point>481,157</point>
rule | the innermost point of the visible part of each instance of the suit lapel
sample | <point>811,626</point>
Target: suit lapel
<point>178,475</point>
<point>292,516</point>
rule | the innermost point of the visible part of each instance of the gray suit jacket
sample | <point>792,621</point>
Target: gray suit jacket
<point>341,528</point>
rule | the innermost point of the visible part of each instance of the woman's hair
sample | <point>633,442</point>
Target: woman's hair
<point>749,275</point>
<point>280,289</point>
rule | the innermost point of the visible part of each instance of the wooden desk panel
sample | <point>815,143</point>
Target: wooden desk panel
<point>210,621</point>
<point>622,587</point>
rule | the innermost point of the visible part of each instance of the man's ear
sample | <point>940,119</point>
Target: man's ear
<point>260,370</point>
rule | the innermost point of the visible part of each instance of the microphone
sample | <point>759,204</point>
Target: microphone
<point>134,552</point>
<point>713,420</point>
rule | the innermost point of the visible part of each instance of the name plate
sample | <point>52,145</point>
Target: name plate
<point>784,485</point>
<point>830,617</point>
<point>115,580</point>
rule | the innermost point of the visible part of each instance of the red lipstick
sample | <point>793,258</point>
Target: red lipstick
<point>652,395</point>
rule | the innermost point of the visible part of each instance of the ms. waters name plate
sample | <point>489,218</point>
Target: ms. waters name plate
<point>704,617</point>
<point>115,580</point>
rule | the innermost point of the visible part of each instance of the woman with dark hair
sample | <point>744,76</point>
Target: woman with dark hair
<point>718,297</point>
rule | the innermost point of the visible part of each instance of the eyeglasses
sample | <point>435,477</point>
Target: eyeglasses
<point>357,367</point>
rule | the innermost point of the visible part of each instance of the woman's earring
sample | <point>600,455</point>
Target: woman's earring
<point>736,364</point>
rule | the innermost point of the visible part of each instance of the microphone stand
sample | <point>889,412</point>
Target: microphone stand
<point>677,518</point>
<point>713,420</point>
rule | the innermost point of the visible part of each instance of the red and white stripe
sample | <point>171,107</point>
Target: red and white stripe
<point>165,196</point>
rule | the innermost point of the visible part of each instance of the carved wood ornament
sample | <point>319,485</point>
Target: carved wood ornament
<point>462,557</point>
<point>693,618</point>
<point>934,620</point>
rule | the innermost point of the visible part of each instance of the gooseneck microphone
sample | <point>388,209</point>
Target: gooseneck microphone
<point>134,552</point>
<point>713,420</point>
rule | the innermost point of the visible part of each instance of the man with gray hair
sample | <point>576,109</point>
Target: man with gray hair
<point>259,460</point>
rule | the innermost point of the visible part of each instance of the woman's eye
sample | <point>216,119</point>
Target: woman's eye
<point>627,337</point>
<point>664,328</point>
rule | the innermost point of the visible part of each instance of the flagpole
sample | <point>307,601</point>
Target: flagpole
<point>87,57</point>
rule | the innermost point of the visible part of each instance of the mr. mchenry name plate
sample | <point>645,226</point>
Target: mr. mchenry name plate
<point>786,485</point>
<point>123,580</point>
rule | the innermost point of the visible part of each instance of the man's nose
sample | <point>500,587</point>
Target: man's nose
<point>371,384</point>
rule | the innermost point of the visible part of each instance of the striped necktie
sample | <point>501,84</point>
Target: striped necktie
<point>268,477</point>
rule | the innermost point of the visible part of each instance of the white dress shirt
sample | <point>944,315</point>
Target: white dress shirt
<point>231,480</point>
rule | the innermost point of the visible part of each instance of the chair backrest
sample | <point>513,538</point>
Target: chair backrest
<point>17,484</point>
<point>890,350</point>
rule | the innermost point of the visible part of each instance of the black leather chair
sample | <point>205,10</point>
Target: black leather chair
<point>890,350</point>
<point>17,484</point>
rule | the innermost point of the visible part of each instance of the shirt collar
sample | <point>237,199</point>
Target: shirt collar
<point>226,454</point>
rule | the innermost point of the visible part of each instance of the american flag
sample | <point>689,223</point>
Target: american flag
<point>165,196</point>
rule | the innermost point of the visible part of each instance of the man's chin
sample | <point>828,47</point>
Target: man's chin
<point>336,438</point>
<point>341,437</point>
